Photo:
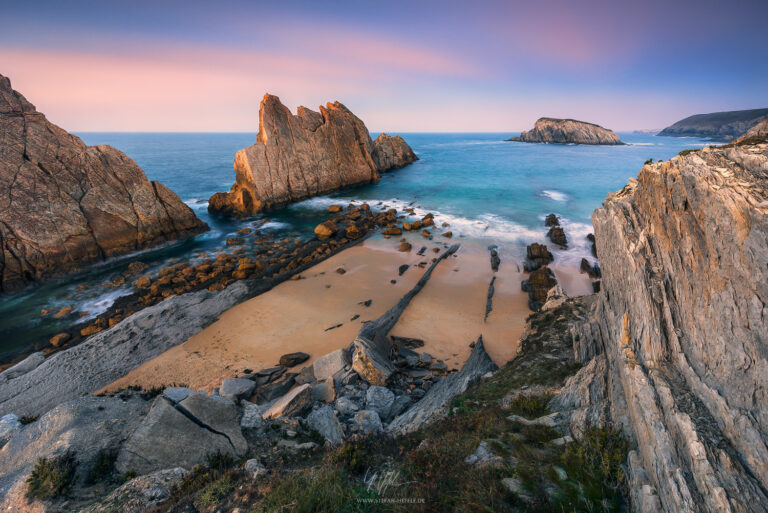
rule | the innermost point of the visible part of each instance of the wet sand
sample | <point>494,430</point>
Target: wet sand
<point>448,314</point>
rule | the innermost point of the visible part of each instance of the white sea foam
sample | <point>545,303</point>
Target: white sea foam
<point>197,203</point>
<point>555,195</point>
<point>98,305</point>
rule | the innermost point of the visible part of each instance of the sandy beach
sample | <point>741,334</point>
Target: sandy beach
<point>323,311</point>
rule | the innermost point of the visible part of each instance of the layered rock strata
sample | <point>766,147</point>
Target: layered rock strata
<point>568,131</point>
<point>677,341</point>
<point>307,154</point>
<point>65,204</point>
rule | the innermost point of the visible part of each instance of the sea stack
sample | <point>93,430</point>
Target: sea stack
<point>307,154</point>
<point>568,131</point>
<point>65,204</point>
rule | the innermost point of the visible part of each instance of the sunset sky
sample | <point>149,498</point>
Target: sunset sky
<point>414,65</point>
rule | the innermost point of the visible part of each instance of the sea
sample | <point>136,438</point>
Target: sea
<point>489,190</point>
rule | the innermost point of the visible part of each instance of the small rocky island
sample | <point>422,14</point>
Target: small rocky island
<point>568,131</point>
<point>304,155</point>
<point>66,204</point>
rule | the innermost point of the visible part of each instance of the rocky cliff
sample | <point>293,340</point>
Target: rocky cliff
<point>64,204</point>
<point>677,341</point>
<point>551,130</point>
<point>719,126</point>
<point>304,155</point>
<point>756,134</point>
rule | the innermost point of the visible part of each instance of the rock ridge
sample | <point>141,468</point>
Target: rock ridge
<point>304,155</point>
<point>65,204</point>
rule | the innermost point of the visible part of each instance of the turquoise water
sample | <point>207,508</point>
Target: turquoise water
<point>485,187</point>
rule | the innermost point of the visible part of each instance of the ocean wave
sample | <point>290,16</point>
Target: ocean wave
<point>641,144</point>
<point>555,195</point>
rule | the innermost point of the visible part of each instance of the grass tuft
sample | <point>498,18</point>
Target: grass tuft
<point>52,477</point>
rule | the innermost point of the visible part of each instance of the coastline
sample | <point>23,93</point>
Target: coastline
<point>305,314</point>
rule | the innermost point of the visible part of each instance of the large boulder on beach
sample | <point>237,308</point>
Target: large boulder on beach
<point>304,155</point>
<point>182,435</point>
<point>66,204</point>
<point>568,131</point>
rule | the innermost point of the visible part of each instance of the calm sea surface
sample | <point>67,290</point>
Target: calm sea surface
<point>486,188</point>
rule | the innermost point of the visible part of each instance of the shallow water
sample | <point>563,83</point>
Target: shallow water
<point>486,188</point>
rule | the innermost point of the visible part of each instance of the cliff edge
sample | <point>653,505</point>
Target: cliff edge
<point>678,337</point>
<point>64,204</point>
<point>308,154</point>
<point>565,131</point>
<point>719,126</point>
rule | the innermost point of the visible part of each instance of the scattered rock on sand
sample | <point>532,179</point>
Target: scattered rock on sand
<point>325,230</point>
<point>404,246</point>
<point>293,403</point>
<point>293,359</point>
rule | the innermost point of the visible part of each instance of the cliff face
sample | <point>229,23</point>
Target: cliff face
<point>681,328</point>
<point>719,126</point>
<point>551,130</point>
<point>64,204</point>
<point>304,155</point>
<point>758,133</point>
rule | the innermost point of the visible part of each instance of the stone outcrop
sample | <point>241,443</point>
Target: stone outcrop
<point>65,204</point>
<point>677,341</point>
<point>758,133</point>
<point>568,131</point>
<point>307,154</point>
<point>718,126</point>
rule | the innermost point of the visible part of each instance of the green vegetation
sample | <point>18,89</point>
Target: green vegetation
<point>687,152</point>
<point>103,468</point>
<point>52,477</point>
<point>649,161</point>
<point>214,492</point>
<point>28,419</point>
<point>530,406</point>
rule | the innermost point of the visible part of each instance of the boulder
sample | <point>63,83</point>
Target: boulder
<point>177,394</point>
<point>539,282</point>
<point>551,220</point>
<point>255,468</point>
<point>324,421</point>
<point>252,416</point>
<point>324,390</point>
<point>404,246</point>
<point>292,404</point>
<point>346,406</point>
<point>303,155</point>
<point>371,362</point>
<point>557,235</point>
<point>325,230</point>
<point>182,435</point>
<point>368,422</point>
<point>379,399</point>
<point>293,359</point>
<point>238,388</point>
<point>329,364</point>
<point>539,254</point>
<point>72,204</point>
<point>276,389</point>
<point>59,339</point>
<point>306,375</point>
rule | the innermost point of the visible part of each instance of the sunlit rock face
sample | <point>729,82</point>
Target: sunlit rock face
<point>682,323</point>
<point>64,204</point>
<point>568,131</point>
<point>304,155</point>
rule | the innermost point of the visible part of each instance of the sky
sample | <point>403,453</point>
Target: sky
<point>407,66</point>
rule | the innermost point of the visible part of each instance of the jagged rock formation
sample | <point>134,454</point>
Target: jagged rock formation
<point>65,204</point>
<point>552,130</point>
<point>308,154</point>
<point>719,126</point>
<point>678,339</point>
